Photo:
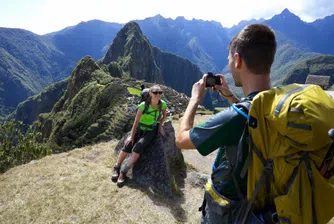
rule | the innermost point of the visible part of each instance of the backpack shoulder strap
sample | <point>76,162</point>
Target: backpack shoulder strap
<point>146,107</point>
<point>245,106</point>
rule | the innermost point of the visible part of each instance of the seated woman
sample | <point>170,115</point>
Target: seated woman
<point>149,120</point>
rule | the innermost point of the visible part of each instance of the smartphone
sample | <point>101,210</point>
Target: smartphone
<point>212,80</point>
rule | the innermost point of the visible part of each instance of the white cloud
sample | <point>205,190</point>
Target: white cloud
<point>43,16</point>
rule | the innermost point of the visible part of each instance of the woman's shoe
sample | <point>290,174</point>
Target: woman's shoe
<point>121,179</point>
<point>115,174</point>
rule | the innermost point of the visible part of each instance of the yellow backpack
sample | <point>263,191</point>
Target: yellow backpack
<point>289,163</point>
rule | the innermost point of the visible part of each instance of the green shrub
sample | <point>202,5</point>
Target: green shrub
<point>134,91</point>
<point>19,144</point>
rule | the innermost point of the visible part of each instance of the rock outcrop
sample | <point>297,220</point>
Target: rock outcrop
<point>161,166</point>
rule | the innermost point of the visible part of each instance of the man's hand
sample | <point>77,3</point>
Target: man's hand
<point>223,88</point>
<point>199,90</point>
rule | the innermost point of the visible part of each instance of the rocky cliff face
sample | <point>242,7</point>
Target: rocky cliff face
<point>179,73</point>
<point>132,51</point>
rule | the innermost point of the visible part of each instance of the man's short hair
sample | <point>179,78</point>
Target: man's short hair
<point>256,45</point>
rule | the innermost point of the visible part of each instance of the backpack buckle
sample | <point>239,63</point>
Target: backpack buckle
<point>252,122</point>
<point>268,166</point>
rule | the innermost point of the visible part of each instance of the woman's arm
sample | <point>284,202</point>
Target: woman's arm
<point>162,120</point>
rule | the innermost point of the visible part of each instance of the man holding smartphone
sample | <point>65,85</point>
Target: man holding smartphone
<point>251,54</point>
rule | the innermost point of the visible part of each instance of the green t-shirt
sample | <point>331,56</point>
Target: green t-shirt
<point>151,116</point>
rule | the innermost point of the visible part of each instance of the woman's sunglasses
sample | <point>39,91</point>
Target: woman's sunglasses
<point>157,92</point>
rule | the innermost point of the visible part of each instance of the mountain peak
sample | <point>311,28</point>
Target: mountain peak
<point>130,31</point>
<point>286,11</point>
<point>133,26</point>
<point>287,14</point>
<point>158,16</point>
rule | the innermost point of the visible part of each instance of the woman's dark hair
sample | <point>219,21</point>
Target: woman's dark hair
<point>256,45</point>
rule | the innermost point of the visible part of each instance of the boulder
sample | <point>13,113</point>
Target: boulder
<point>161,166</point>
<point>197,179</point>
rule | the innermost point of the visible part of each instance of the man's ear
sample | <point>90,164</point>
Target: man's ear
<point>237,60</point>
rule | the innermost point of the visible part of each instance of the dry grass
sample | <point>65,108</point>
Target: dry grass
<point>75,187</point>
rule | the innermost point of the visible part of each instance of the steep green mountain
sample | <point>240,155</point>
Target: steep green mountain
<point>133,54</point>
<point>28,110</point>
<point>322,65</point>
<point>28,63</point>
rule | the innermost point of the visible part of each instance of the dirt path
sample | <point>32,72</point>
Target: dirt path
<point>202,164</point>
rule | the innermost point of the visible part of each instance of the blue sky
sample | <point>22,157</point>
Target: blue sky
<point>45,16</point>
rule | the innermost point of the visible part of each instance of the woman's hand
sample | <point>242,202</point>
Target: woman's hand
<point>128,141</point>
<point>162,131</point>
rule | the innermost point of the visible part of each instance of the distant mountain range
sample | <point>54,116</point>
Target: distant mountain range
<point>29,62</point>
